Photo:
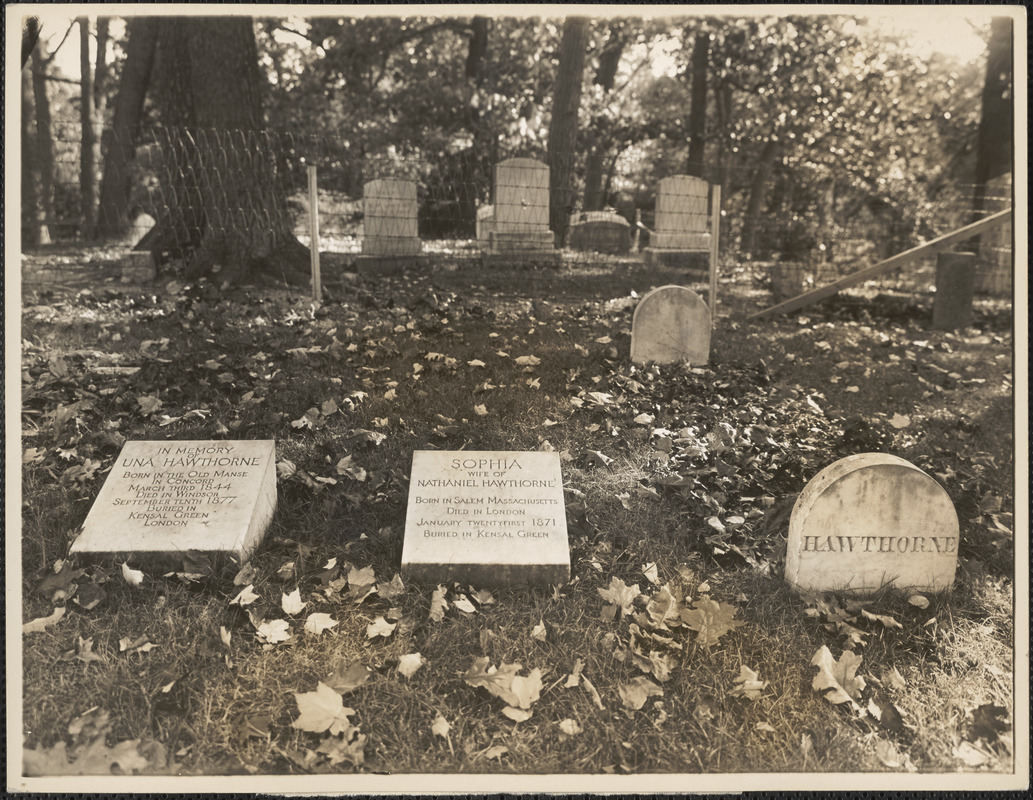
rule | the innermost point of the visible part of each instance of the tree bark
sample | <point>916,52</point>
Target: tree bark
<point>563,125</point>
<point>44,140</point>
<point>33,217</point>
<point>995,138</point>
<point>226,211</point>
<point>116,190</point>
<point>89,144</point>
<point>475,163</point>
<point>595,161</point>
<point>698,110</point>
<point>761,176</point>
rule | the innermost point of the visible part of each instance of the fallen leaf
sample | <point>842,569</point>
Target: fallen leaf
<point>42,623</point>
<point>484,597</point>
<point>765,727</point>
<point>919,601</point>
<point>887,622</point>
<point>440,726</point>
<point>650,572</point>
<point>635,693</point>
<point>619,594</point>
<point>318,622</point>
<point>570,727</point>
<point>322,710</point>
<point>463,604</point>
<point>274,631</point>
<point>133,577</point>
<point>292,603</point>
<point>83,651</point>
<point>538,632</point>
<point>348,677</point>
<point>838,681</point>
<point>749,682</point>
<point>141,644</point>
<point>393,590</point>
<point>971,755</point>
<point>900,421</point>
<point>480,410</point>
<point>589,687</point>
<point>710,619</point>
<point>887,752</point>
<point>409,663</point>
<point>245,596</point>
<point>94,759</point>
<point>574,678</point>
<point>380,627</point>
<point>528,361</point>
<point>438,604</point>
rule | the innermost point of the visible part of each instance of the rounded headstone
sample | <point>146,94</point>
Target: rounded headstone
<point>671,324</point>
<point>871,520</point>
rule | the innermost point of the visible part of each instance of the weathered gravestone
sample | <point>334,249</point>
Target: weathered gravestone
<point>519,228</point>
<point>600,231</point>
<point>389,227</point>
<point>671,324</point>
<point>486,518</point>
<point>680,226</point>
<point>162,499</point>
<point>870,520</point>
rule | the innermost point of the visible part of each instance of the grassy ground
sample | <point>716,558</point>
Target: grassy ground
<point>383,368</point>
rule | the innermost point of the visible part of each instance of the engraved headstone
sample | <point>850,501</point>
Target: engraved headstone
<point>163,498</point>
<point>487,518</point>
<point>389,226</point>
<point>671,324</point>
<point>869,520</point>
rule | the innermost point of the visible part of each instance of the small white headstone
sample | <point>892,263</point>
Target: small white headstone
<point>389,226</point>
<point>671,324</point>
<point>162,499</point>
<point>870,520</point>
<point>486,518</point>
<point>681,214</point>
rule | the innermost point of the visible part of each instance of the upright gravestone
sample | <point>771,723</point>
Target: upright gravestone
<point>871,520</point>
<point>520,228</point>
<point>486,518</point>
<point>389,226</point>
<point>671,324</point>
<point>162,499</point>
<point>680,226</point>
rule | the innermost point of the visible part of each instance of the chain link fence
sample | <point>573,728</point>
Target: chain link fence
<point>382,211</point>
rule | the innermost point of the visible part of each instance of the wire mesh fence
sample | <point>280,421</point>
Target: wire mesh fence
<point>173,189</point>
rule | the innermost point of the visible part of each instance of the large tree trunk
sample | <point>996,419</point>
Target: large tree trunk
<point>995,141</point>
<point>44,140</point>
<point>475,164</point>
<point>89,148</point>
<point>563,126</point>
<point>33,218</point>
<point>226,211</point>
<point>116,190</point>
<point>761,176</point>
<point>598,145</point>
<point>698,111</point>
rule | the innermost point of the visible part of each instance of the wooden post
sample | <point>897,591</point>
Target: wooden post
<point>313,226</point>
<point>715,230</point>
<point>955,282</point>
<point>638,223</point>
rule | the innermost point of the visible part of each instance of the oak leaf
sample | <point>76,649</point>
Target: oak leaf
<point>838,681</point>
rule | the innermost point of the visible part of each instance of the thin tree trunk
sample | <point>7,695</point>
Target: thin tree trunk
<point>33,219</point>
<point>761,176</point>
<point>87,155</point>
<point>44,140</point>
<point>698,110</point>
<point>563,125</point>
<point>116,190</point>
<point>595,161</point>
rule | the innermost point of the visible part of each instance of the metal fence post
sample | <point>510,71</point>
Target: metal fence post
<point>313,226</point>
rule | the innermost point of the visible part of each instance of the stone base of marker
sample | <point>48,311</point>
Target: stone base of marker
<point>486,518</point>
<point>389,265</point>
<point>164,498</point>
<point>869,521</point>
<point>523,259</point>
<point>693,260</point>
<point>138,267</point>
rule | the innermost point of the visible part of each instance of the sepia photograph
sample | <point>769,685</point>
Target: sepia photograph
<point>501,399</point>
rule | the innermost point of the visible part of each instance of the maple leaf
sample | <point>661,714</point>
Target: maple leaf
<point>749,682</point>
<point>322,710</point>
<point>484,597</point>
<point>516,691</point>
<point>409,663</point>
<point>659,665</point>
<point>347,467</point>
<point>438,604</point>
<point>380,627</point>
<point>663,607</point>
<point>148,404</point>
<point>273,631</point>
<point>710,619</point>
<point>619,594</point>
<point>361,577</point>
<point>838,681</point>
<point>292,603</point>
<point>318,622</point>
<point>635,693</point>
<point>245,596</point>
<point>42,623</point>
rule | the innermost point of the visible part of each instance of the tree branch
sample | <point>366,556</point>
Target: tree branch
<point>60,44</point>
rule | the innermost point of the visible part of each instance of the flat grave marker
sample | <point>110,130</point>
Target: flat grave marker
<point>671,324</point>
<point>870,520</point>
<point>163,498</point>
<point>487,518</point>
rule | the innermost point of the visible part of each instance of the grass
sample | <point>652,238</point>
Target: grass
<point>213,709</point>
